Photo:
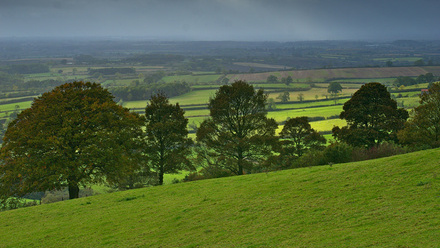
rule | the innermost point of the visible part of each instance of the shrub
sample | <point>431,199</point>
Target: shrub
<point>337,153</point>
<point>310,158</point>
<point>385,149</point>
<point>208,172</point>
<point>61,195</point>
<point>14,203</point>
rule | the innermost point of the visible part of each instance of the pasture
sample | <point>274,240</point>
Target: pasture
<point>389,202</point>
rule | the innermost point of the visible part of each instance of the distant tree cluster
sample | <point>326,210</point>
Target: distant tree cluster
<point>408,81</point>
<point>10,80</point>
<point>141,92</point>
<point>26,68</point>
<point>154,77</point>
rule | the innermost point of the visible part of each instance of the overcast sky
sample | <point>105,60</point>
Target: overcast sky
<point>262,20</point>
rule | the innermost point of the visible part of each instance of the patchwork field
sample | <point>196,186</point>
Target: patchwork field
<point>311,85</point>
<point>326,74</point>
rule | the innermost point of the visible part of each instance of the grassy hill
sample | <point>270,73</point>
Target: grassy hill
<point>390,202</point>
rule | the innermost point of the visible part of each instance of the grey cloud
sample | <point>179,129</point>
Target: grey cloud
<point>223,19</point>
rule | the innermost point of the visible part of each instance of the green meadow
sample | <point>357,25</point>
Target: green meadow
<point>388,202</point>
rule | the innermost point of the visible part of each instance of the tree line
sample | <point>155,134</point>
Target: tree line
<point>76,135</point>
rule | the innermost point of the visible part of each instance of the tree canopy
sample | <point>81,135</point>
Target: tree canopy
<point>372,117</point>
<point>423,129</point>
<point>238,132</point>
<point>334,88</point>
<point>284,97</point>
<point>167,139</point>
<point>272,79</point>
<point>72,136</point>
<point>298,137</point>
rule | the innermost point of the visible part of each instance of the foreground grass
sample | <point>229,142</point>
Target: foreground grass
<point>391,202</point>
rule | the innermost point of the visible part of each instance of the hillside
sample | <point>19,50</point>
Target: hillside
<point>390,202</point>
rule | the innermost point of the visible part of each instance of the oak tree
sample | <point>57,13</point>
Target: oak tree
<point>73,136</point>
<point>238,133</point>
<point>372,117</point>
<point>167,142</point>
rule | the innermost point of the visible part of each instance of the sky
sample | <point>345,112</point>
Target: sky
<point>241,20</point>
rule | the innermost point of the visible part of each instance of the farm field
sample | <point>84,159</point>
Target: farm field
<point>314,94</point>
<point>389,202</point>
<point>345,73</point>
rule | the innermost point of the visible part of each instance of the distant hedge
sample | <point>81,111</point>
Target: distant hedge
<point>112,71</point>
<point>144,92</point>
<point>26,68</point>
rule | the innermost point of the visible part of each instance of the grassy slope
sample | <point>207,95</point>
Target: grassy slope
<point>391,202</point>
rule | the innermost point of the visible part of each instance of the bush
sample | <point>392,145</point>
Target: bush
<point>61,195</point>
<point>310,158</point>
<point>337,153</point>
<point>14,203</point>
<point>385,149</point>
<point>207,173</point>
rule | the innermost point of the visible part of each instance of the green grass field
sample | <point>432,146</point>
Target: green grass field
<point>11,106</point>
<point>194,97</point>
<point>192,78</point>
<point>389,202</point>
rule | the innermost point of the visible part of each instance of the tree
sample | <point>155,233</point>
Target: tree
<point>272,79</point>
<point>73,136</point>
<point>284,97</point>
<point>300,97</point>
<point>334,88</point>
<point>372,117</point>
<point>423,129</point>
<point>298,137</point>
<point>167,142</point>
<point>238,133</point>
<point>419,62</point>
<point>389,63</point>
<point>271,104</point>
<point>287,81</point>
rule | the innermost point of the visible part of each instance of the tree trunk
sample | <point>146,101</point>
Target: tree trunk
<point>161,175</point>
<point>240,161</point>
<point>73,190</point>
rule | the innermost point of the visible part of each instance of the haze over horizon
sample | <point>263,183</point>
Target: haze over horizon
<point>236,20</point>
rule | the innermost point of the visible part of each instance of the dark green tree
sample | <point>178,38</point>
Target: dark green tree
<point>167,142</point>
<point>287,81</point>
<point>298,137</point>
<point>372,117</point>
<point>284,97</point>
<point>73,136</point>
<point>272,79</point>
<point>419,62</point>
<point>238,133</point>
<point>423,129</point>
<point>334,88</point>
